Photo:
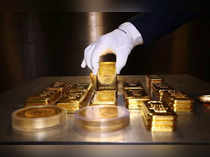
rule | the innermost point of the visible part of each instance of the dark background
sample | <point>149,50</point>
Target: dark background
<point>34,44</point>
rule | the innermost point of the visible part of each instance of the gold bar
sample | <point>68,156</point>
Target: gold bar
<point>158,116</point>
<point>135,99</point>
<point>150,80</point>
<point>178,101</point>
<point>69,105</point>
<point>106,77</point>
<point>158,90</point>
<point>132,85</point>
<point>105,97</point>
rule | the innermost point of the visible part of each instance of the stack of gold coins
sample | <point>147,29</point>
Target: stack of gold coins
<point>158,117</point>
<point>36,118</point>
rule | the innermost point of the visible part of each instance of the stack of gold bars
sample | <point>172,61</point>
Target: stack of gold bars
<point>103,114</point>
<point>158,117</point>
<point>150,80</point>
<point>134,95</point>
<point>74,98</point>
<point>158,90</point>
<point>178,101</point>
<point>46,109</point>
<point>105,82</point>
<point>48,96</point>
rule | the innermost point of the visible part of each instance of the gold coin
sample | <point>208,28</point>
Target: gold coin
<point>38,112</point>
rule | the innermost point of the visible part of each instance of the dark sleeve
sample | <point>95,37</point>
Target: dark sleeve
<point>154,25</point>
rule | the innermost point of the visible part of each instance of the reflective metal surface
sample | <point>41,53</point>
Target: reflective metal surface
<point>191,128</point>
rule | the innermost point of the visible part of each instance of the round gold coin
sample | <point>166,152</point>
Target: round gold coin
<point>40,112</point>
<point>34,118</point>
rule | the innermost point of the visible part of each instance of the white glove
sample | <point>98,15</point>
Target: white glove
<point>120,42</point>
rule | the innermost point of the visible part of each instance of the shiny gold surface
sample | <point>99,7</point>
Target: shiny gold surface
<point>158,90</point>
<point>105,97</point>
<point>158,116</point>
<point>102,118</point>
<point>132,85</point>
<point>135,98</point>
<point>150,80</point>
<point>69,105</point>
<point>35,118</point>
<point>93,80</point>
<point>178,101</point>
<point>106,77</point>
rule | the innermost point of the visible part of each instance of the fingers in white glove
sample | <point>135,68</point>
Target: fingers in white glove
<point>121,62</point>
<point>83,65</point>
<point>88,55</point>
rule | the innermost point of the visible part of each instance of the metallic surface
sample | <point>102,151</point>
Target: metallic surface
<point>191,127</point>
<point>105,97</point>
<point>106,76</point>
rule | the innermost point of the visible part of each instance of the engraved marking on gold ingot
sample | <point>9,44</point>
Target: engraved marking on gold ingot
<point>158,117</point>
<point>135,98</point>
<point>106,72</point>
<point>105,97</point>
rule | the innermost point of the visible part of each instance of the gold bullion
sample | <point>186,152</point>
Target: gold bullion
<point>178,101</point>
<point>106,76</point>
<point>105,97</point>
<point>102,118</point>
<point>34,118</point>
<point>133,85</point>
<point>135,99</point>
<point>69,105</point>
<point>158,90</point>
<point>93,80</point>
<point>150,80</point>
<point>158,116</point>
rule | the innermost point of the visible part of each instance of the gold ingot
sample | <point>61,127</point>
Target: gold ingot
<point>106,77</point>
<point>105,97</point>
<point>158,116</point>
<point>158,90</point>
<point>93,81</point>
<point>135,99</point>
<point>69,105</point>
<point>132,85</point>
<point>36,118</point>
<point>178,101</point>
<point>150,80</point>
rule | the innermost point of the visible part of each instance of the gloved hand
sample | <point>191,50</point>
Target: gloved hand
<point>120,41</point>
